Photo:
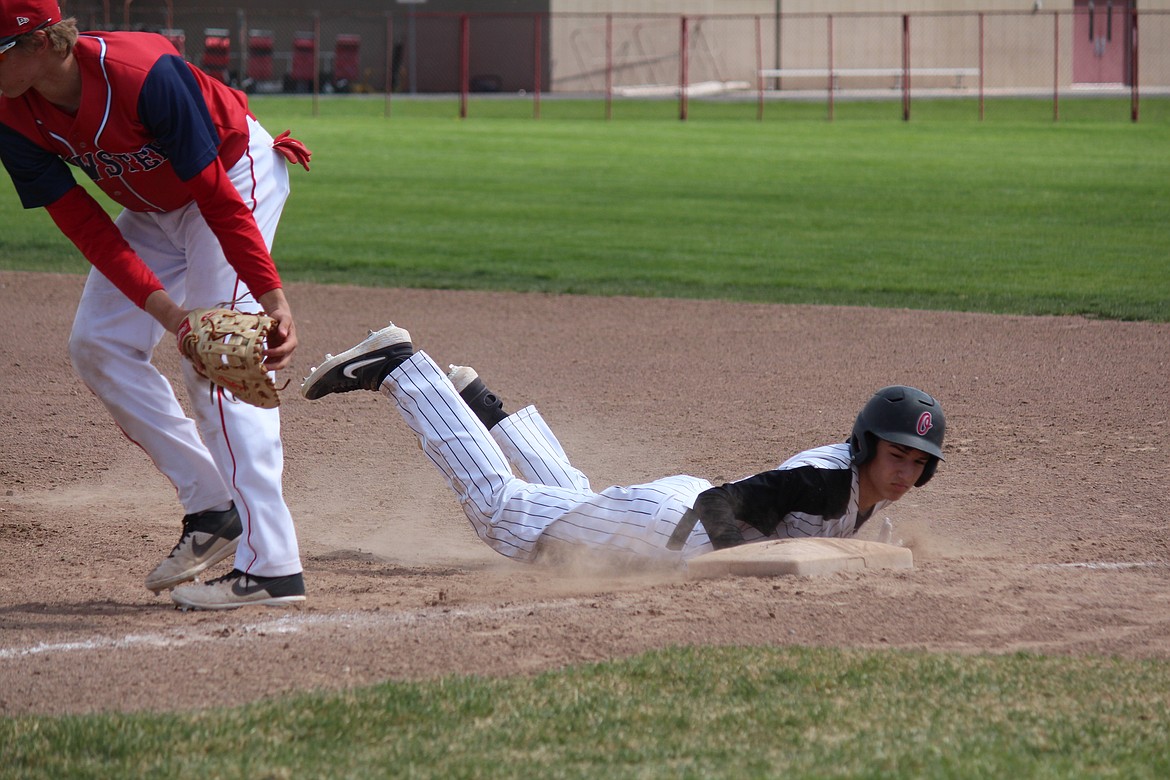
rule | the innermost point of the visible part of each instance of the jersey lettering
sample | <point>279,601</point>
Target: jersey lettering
<point>103,165</point>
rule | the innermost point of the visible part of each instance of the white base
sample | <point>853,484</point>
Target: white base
<point>806,557</point>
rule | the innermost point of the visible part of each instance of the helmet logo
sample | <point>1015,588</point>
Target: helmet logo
<point>925,423</point>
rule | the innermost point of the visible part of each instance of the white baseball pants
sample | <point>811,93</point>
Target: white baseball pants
<point>231,450</point>
<point>550,500</point>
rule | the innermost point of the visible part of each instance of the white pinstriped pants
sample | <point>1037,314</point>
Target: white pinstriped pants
<point>550,499</point>
<point>231,450</point>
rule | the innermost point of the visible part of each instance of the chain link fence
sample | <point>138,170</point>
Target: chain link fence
<point>1101,49</point>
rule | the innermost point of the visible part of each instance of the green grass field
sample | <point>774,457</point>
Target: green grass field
<point>1015,214</point>
<point>1011,215</point>
<point>713,713</point>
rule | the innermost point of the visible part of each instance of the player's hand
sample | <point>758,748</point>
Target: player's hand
<point>282,339</point>
<point>185,341</point>
<point>886,535</point>
<point>173,317</point>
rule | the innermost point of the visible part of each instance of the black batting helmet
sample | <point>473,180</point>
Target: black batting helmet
<point>902,415</point>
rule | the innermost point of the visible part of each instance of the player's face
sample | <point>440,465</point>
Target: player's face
<point>19,68</point>
<point>893,470</point>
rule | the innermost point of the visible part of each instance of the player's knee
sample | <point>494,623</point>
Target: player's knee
<point>84,353</point>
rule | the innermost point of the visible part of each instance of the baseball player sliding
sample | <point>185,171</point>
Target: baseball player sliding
<point>524,498</point>
<point>202,186</point>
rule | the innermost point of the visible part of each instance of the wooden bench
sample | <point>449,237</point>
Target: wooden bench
<point>835,74</point>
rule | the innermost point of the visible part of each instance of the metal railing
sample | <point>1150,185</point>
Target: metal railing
<point>757,59</point>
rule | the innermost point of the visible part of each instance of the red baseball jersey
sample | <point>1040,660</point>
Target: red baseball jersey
<point>149,126</point>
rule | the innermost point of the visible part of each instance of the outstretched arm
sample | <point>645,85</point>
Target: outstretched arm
<point>764,501</point>
<point>717,514</point>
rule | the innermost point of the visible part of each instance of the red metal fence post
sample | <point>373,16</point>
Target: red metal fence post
<point>982,63</point>
<point>682,69</point>
<point>244,47</point>
<point>316,62</point>
<point>464,63</point>
<point>1133,67</point>
<point>537,26</point>
<point>759,67</point>
<point>609,66</point>
<point>389,60</point>
<point>905,67</point>
<point>1056,66</point>
<point>830,67</point>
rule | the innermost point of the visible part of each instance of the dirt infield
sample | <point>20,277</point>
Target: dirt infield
<point>1044,531</point>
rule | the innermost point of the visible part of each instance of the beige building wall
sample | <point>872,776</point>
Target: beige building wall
<point>771,7</point>
<point>1022,42</point>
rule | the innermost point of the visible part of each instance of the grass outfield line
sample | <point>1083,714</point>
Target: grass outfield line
<point>710,713</point>
<point>1015,216</point>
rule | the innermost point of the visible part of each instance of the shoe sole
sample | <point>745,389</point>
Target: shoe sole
<point>190,574</point>
<point>273,601</point>
<point>387,337</point>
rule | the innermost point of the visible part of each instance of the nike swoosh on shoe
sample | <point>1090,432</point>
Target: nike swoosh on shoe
<point>349,371</point>
<point>240,589</point>
<point>202,549</point>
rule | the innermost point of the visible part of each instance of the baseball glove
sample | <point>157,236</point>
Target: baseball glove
<point>227,347</point>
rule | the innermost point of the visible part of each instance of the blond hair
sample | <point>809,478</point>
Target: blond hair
<point>61,36</point>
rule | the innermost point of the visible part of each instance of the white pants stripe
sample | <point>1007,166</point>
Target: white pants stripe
<point>550,501</point>
<point>230,450</point>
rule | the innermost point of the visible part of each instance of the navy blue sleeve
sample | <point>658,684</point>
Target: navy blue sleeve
<point>173,110</point>
<point>40,176</point>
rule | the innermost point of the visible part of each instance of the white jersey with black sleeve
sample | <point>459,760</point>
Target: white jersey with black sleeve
<point>813,493</point>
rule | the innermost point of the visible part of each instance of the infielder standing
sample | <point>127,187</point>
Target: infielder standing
<point>524,498</point>
<point>202,186</point>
